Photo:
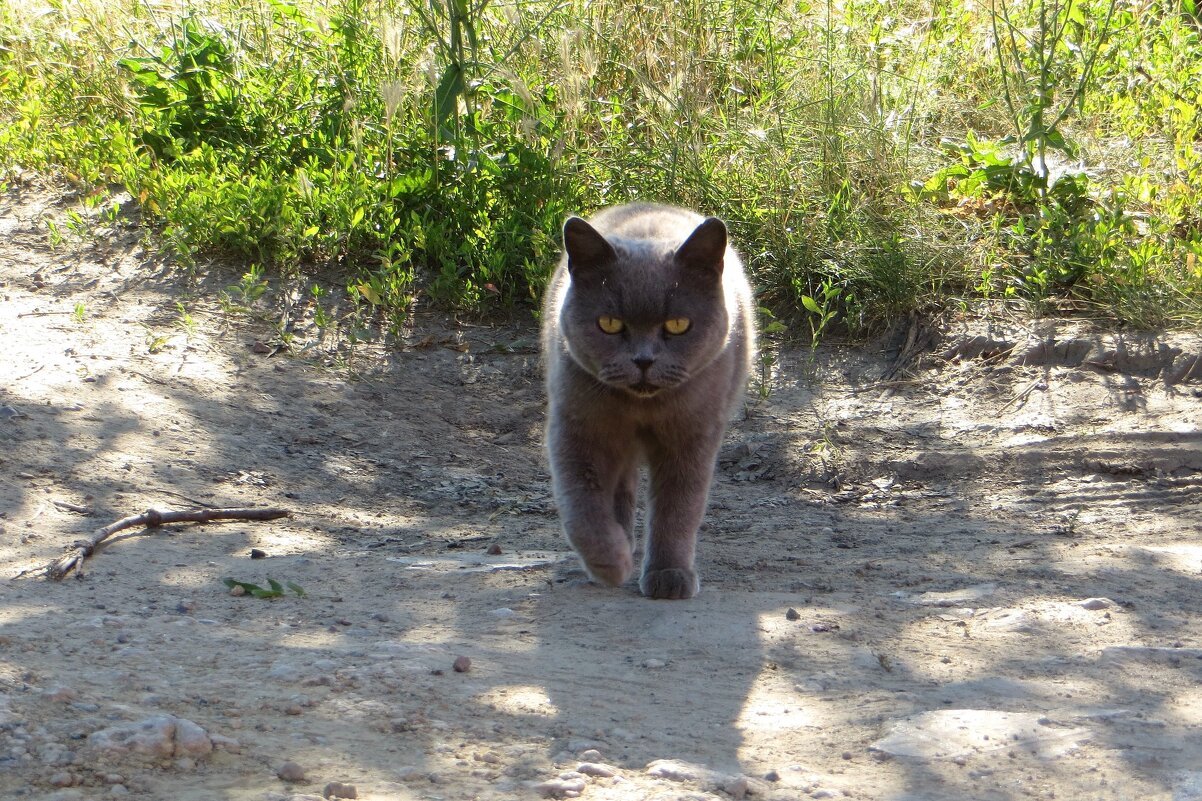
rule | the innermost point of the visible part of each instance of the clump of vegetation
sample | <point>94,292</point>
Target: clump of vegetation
<point>274,589</point>
<point>871,159</point>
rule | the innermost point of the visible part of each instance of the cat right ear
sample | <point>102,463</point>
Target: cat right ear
<point>586,248</point>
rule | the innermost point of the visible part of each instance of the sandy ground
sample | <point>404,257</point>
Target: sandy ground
<point>974,577</point>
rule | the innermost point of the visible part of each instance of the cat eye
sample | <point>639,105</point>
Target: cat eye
<point>610,325</point>
<point>678,325</point>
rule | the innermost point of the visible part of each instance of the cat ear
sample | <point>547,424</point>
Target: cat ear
<point>585,246</point>
<point>705,248</point>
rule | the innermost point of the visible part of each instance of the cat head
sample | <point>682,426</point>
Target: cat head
<point>645,315</point>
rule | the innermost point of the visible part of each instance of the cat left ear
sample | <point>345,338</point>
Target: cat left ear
<point>585,246</point>
<point>705,248</point>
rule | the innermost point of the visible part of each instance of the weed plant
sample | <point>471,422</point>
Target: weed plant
<point>872,159</point>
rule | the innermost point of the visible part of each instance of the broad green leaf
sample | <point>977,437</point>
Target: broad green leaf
<point>372,296</point>
<point>446,96</point>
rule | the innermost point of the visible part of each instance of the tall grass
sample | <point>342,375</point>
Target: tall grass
<point>871,158</point>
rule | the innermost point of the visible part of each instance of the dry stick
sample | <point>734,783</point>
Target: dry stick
<point>151,518</point>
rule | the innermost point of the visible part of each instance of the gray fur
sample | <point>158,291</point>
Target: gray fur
<point>643,396</point>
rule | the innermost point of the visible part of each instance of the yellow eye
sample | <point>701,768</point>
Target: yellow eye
<point>610,325</point>
<point>677,325</point>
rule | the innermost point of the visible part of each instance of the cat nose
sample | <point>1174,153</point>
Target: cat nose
<point>643,362</point>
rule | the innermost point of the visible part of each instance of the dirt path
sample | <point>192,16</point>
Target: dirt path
<point>977,580</point>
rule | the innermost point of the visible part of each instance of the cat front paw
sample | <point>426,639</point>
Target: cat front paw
<point>673,584</point>
<point>611,573</point>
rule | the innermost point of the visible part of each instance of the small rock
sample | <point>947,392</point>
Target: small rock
<point>190,739</point>
<point>494,550</point>
<point>60,694</point>
<point>462,664</point>
<point>237,590</point>
<point>154,736</point>
<point>225,743</point>
<point>671,770</point>
<point>62,779</point>
<point>771,776</point>
<point>823,792</point>
<point>255,553</point>
<point>119,791</point>
<point>736,786</point>
<point>381,617</point>
<point>596,769</point>
<point>291,772</point>
<point>340,790</point>
<point>792,614</point>
<point>654,664</point>
<point>560,788</point>
<point>502,612</point>
<point>591,755</point>
<point>293,709</point>
<point>1094,604</point>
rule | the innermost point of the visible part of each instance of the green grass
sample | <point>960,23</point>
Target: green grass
<point>871,159</point>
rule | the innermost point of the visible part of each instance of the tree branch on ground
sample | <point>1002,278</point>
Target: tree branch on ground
<point>151,518</point>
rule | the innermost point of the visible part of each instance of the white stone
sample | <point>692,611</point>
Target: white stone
<point>961,597</point>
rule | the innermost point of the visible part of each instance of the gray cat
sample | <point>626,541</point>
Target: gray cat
<point>648,334</point>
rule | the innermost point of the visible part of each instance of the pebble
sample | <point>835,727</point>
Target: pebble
<point>228,744</point>
<point>503,612</point>
<point>119,790</point>
<point>792,614</point>
<point>291,772</point>
<point>598,769</point>
<point>63,778</point>
<point>654,664</point>
<point>560,788</point>
<point>591,755</point>
<point>462,664</point>
<point>237,590</point>
<point>671,770</point>
<point>494,550</point>
<point>340,790</point>
<point>190,739</point>
<point>1094,604</point>
<point>771,776</point>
